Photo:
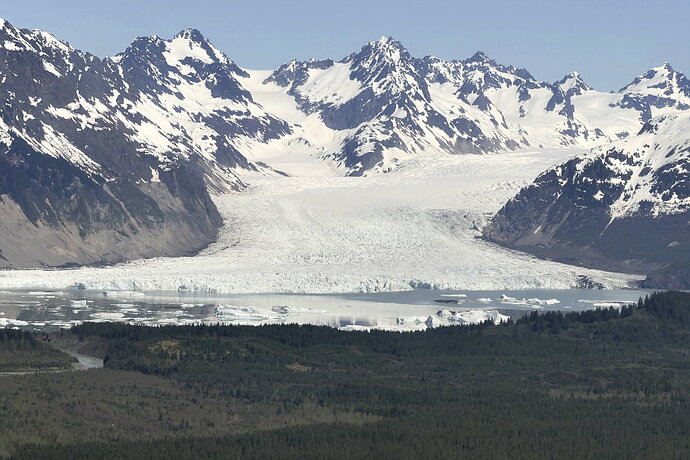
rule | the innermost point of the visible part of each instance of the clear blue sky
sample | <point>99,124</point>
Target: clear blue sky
<point>607,41</point>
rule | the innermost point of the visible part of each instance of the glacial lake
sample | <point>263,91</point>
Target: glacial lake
<point>405,310</point>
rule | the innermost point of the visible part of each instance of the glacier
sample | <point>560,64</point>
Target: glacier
<point>317,231</point>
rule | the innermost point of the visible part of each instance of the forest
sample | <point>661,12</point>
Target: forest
<point>605,383</point>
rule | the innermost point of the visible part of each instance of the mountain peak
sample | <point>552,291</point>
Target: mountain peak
<point>32,39</point>
<point>385,50</point>
<point>573,83</point>
<point>478,57</point>
<point>386,45</point>
<point>663,70</point>
<point>192,35</point>
<point>656,77</point>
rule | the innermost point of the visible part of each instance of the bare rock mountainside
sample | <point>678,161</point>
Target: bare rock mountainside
<point>625,206</point>
<point>104,160</point>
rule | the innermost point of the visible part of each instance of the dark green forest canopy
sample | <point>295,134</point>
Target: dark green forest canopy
<point>605,383</point>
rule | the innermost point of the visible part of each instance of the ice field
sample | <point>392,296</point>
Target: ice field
<point>315,231</point>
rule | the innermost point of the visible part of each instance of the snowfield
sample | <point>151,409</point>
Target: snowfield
<point>319,232</point>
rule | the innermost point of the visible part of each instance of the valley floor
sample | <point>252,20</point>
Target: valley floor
<point>606,384</point>
<point>318,232</point>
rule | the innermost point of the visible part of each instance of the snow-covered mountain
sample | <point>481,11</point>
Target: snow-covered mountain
<point>106,160</point>
<point>661,90</point>
<point>103,160</point>
<point>624,205</point>
<point>383,108</point>
<point>186,103</point>
<point>382,105</point>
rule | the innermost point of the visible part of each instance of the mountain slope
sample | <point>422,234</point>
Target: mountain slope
<point>98,166</point>
<point>623,206</point>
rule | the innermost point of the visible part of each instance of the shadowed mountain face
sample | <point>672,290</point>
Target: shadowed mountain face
<point>625,206</point>
<point>55,214</point>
